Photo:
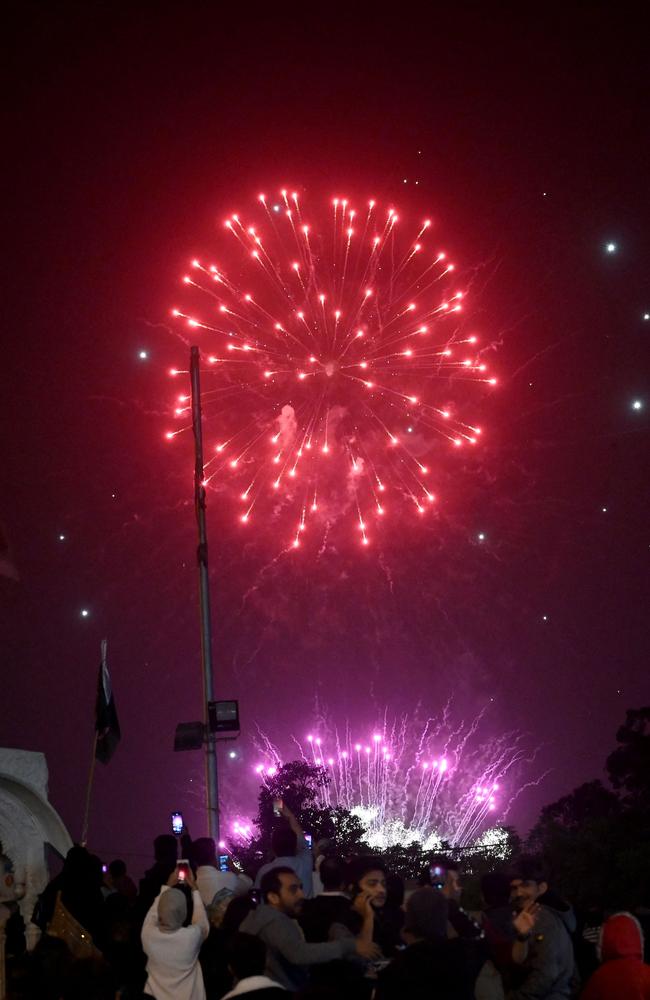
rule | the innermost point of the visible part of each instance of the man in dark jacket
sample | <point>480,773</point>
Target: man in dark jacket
<point>431,964</point>
<point>288,954</point>
<point>548,972</point>
<point>331,906</point>
<point>330,916</point>
<point>165,849</point>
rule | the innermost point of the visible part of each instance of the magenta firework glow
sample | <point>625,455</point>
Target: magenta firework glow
<point>443,780</point>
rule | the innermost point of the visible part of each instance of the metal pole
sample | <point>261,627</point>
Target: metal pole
<point>204,596</point>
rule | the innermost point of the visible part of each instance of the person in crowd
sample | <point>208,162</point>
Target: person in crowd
<point>210,879</point>
<point>586,940</point>
<point>122,945</point>
<point>165,849</point>
<point>392,914</point>
<point>506,935</point>
<point>218,890</point>
<point>12,925</point>
<point>90,979</point>
<point>330,916</point>
<point>80,885</point>
<point>431,965</point>
<point>444,874</point>
<point>323,849</point>
<point>116,880</point>
<point>554,901</point>
<point>42,973</point>
<point>172,950</point>
<point>367,875</point>
<point>548,971</point>
<point>289,955</point>
<point>331,906</point>
<point>246,956</point>
<point>237,910</point>
<point>290,850</point>
<point>623,974</point>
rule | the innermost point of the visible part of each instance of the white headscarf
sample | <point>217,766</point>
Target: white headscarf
<point>172,910</point>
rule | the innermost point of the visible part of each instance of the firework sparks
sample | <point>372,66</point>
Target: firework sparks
<point>428,784</point>
<point>331,360</point>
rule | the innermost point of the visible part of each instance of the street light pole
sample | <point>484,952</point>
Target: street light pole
<point>204,600</point>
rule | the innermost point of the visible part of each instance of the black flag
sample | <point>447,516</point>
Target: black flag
<point>107,726</point>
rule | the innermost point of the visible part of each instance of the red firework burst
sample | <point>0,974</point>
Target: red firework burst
<point>330,354</point>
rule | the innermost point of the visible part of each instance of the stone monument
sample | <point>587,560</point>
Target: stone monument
<point>27,824</point>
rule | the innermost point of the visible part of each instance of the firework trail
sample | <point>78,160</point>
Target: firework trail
<point>334,359</point>
<point>407,783</point>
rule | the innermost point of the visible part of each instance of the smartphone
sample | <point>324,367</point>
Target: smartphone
<point>104,868</point>
<point>177,824</point>
<point>223,862</point>
<point>438,876</point>
<point>277,807</point>
<point>182,867</point>
<point>309,839</point>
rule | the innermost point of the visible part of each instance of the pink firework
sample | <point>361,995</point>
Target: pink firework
<point>331,348</point>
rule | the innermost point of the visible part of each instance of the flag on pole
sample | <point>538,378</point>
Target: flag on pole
<point>107,725</point>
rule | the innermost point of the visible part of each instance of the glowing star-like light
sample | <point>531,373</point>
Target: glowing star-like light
<point>143,355</point>
<point>62,538</point>
<point>232,754</point>
<point>637,404</point>
<point>646,316</point>
<point>610,247</point>
<point>84,613</point>
<point>481,536</point>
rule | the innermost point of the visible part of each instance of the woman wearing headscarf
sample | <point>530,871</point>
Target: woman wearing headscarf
<point>172,950</point>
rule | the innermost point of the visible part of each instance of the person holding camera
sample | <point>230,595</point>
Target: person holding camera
<point>290,849</point>
<point>289,956</point>
<point>172,949</point>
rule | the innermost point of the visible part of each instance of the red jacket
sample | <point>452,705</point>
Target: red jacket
<point>623,974</point>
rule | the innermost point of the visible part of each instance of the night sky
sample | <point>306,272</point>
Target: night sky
<point>135,129</point>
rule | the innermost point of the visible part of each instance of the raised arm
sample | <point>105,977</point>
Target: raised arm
<point>199,916</point>
<point>295,826</point>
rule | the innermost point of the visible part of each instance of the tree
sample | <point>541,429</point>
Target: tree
<point>580,807</point>
<point>302,786</point>
<point>594,839</point>
<point>629,765</point>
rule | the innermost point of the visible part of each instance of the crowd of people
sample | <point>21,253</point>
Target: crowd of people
<point>316,925</point>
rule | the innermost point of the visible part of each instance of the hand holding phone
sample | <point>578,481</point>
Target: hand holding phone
<point>362,904</point>
<point>182,875</point>
<point>278,806</point>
